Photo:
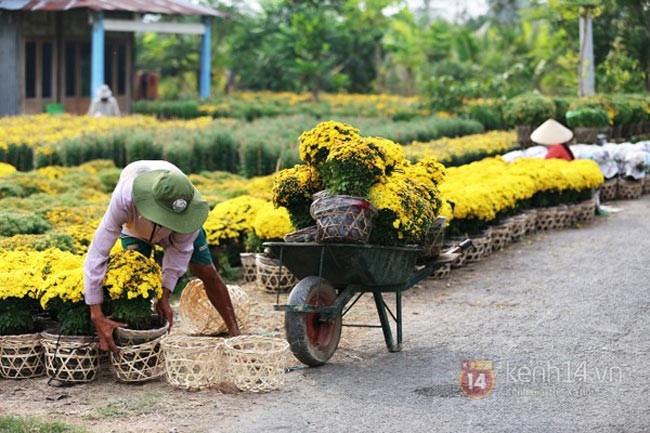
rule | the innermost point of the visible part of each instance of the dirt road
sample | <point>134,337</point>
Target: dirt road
<point>562,317</point>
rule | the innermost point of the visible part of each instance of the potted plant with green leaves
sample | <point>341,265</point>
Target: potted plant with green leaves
<point>587,123</point>
<point>526,112</point>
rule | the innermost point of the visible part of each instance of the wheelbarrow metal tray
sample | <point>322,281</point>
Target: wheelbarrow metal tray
<point>345,264</point>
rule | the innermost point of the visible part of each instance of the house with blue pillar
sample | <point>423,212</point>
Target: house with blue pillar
<point>58,52</point>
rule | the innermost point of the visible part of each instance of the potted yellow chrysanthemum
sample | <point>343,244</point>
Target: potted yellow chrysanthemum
<point>72,350</point>
<point>21,353</point>
<point>131,282</point>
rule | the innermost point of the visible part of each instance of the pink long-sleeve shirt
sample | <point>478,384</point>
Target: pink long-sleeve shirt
<point>123,217</point>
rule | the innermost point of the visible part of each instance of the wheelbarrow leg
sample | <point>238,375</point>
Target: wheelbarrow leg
<point>385,323</point>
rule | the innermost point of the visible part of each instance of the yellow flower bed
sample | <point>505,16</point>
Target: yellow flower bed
<point>6,169</point>
<point>357,104</point>
<point>449,149</point>
<point>20,274</point>
<point>40,131</point>
<point>485,188</point>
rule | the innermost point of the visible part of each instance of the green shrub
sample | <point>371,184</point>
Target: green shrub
<point>178,153</point>
<point>10,189</point>
<point>109,178</point>
<point>489,115</point>
<point>140,145</point>
<point>17,316</point>
<point>587,117</point>
<point>528,109</point>
<point>215,150</point>
<point>169,109</point>
<point>62,241</point>
<point>561,107</point>
<point>12,223</point>
<point>624,111</point>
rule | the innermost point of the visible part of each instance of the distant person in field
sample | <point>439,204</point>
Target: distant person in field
<point>154,203</point>
<point>104,104</point>
<point>556,136</point>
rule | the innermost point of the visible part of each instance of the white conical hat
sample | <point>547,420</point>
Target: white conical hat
<point>551,132</point>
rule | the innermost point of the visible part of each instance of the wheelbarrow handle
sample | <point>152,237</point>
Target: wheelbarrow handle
<point>462,246</point>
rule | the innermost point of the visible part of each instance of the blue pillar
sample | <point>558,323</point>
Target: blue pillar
<point>97,57</point>
<point>206,59</point>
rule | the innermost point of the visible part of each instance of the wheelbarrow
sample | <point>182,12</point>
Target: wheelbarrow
<point>331,276</point>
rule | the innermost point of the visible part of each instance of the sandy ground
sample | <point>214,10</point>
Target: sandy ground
<point>574,298</point>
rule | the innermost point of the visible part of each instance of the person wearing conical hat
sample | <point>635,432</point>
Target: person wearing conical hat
<point>556,136</point>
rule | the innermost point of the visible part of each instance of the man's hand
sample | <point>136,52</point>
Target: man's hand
<point>104,328</point>
<point>163,309</point>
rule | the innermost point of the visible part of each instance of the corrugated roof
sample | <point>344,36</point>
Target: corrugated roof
<point>168,7</point>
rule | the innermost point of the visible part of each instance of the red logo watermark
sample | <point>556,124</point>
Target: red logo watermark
<point>476,378</point>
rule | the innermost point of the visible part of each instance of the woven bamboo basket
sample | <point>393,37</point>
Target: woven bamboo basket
<point>194,363</point>
<point>587,211</point>
<point>629,189</point>
<point>442,272</point>
<point>646,184</point>
<point>307,234</point>
<point>480,244</point>
<point>343,219</point>
<point>563,217</point>
<point>546,218</point>
<point>199,317</point>
<point>531,220</point>
<point>575,210</point>
<point>21,356</point>
<point>434,238</point>
<point>501,236</point>
<point>489,240</point>
<point>256,364</point>
<point>272,278</point>
<point>70,359</point>
<point>609,189</point>
<point>132,337</point>
<point>248,263</point>
<point>139,362</point>
<point>517,227</point>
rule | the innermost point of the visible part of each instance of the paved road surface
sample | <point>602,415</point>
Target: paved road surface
<point>563,317</point>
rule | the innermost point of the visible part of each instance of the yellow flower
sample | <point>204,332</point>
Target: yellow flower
<point>6,169</point>
<point>448,150</point>
<point>272,223</point>
<point>130,275</point>
<point>231,219</point>
<point>316,143</point>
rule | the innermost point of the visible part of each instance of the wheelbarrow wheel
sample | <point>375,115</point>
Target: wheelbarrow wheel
<point>313,339</point>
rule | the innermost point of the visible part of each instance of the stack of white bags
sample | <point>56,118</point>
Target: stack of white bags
<point>625,160</point>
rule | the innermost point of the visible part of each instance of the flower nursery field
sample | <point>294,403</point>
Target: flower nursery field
<point>50,214</point>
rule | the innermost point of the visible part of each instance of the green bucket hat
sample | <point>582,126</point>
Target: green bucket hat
<point>169,199</point>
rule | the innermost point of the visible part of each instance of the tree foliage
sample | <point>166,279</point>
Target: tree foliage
<point>383,46</point>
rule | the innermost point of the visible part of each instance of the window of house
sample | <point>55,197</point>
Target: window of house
<point>70,69</point>
<point>85,61</point>
<point>121,69</point>
<point>78,68</point>
<point>30,69</point>
<point>46,70</point>
<point>39,69</point>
